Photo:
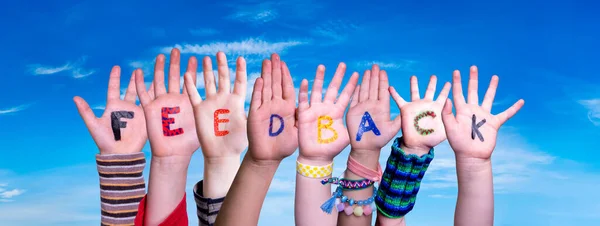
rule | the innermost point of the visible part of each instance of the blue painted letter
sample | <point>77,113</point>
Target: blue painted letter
<point>362,128</point>
<point>271,133</point>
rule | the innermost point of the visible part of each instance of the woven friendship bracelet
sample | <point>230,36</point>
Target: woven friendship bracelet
<point>401,181</point>
<point>363,171</point>
<point>347,184</point>
<point>314,171</point>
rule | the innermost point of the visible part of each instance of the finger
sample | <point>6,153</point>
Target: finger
<point>303,96</point>
<point>344,98</point>
<point>150,90</point>
<point>276,76</point>
<point>472,88</point>
<point>430,92</point>
<point>241,77</point>
<point>192,91</point>
<point>414,88</point>
<point>223,70</point>
<point>85,111</point>
<point>444,93</point>
<point>114,92</point>
<point>209,77</point>
<point>400,102</point>
<point>140,87</point>
<point>192,69</point>
<point>457,92</point>
<point>510,112</point>
<point>130,93</point>
<point>316,95</point>
<point>355,96</point>
<point>374,84</point>
<point>159,76</point>
<point>364,91</point>
<point>267,93</point>
<point>490,94</point>
<point>447,117</point>
<point>256,101</point>
<point>384,86</point>
<point>334,86</point>
<point>174,72</point>
<point>288,83</point>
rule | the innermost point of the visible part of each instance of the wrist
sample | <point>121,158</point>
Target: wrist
<point>170,164</point>
<point>368,158</point>
<point>219,174</point>
<point>418,150</point>
<point>314,161</point>
<point>473,165</point>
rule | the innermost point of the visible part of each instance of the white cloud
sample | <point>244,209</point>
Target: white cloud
<point>338,31</point>
<point>250,46</point>
<point>14,109</point>
<point>203,31</point>
<point>440,196</point>
<point>593,107</point>
<point>259,14</point>
<point>76,69</point>
<point>99,107</point>
<point>404,65</point>
<point>11,193</point>
<point>251,80</point>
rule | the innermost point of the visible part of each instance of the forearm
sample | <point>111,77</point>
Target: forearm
<point>475,204</point>
<point>310,194</point>
<point>219,174</point>
<point>247,194</point>
<point>122,186</point>
<point>166,187</point>
<point>369,159</point>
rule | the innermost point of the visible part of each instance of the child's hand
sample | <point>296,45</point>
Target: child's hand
<point>271,122</point>
<point>170,118</point>
<point>368,119</point>
<point>220,118</point>
<point>472,133</point>
<point>122,127</point>
<point>422,127</point>
<point>321,127</point>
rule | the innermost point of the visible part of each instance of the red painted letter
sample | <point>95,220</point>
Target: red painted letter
<point>218,132</point>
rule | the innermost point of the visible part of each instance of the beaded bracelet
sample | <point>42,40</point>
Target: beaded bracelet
<point>343,203</point>
<point>347,184</point>
<point>401,181</point>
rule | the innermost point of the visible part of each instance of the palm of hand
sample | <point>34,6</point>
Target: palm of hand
<point>308,122</point>
<point>267,147</point>
<point>461,138</point>
<point>380,115</point>
<point>184,144</point>
<point>132,137</point>
<point>429,134</point>
<point>236,140</point>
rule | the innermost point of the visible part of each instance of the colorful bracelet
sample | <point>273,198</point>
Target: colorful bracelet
<point>347,184</point>
<point>401,181</point>
<point>343,203</point>
<point>314,171</point>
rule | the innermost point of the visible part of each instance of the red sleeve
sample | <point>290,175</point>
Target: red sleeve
<point>177,218</point>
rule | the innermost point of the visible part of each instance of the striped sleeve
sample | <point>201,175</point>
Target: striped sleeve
<point>122,187</point>
<point>207,208</point>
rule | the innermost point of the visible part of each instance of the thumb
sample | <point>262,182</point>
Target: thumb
<point>447,117</point>
<point>397,123</point>
<point>85,111</point>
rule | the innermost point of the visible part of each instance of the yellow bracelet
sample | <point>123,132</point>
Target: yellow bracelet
<point>314,171</point>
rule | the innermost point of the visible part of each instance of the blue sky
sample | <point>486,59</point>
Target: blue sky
<point>545,164</point>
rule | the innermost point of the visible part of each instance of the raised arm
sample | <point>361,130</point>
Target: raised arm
<point>272,137</point>
<point>173,140</point>
<point>472,135</point>
<point>221,127</point>
<point>422,130</point>
<point>322,136</point>
<point>120,135</point>
<point>370,128</point>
